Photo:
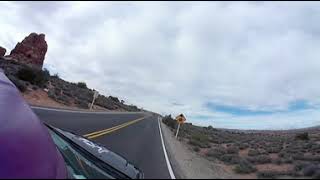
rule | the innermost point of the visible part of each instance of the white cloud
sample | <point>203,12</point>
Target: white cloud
<point>256,55</point>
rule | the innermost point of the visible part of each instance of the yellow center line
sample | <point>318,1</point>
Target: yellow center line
<point>109,130</point>
<point>97,132</point>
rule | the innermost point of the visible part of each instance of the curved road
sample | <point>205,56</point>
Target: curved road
<point>135,136</point>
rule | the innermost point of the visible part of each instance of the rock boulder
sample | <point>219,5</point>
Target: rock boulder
<point>31,50</point>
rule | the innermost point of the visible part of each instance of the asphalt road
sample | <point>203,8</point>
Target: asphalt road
<point>139,142</point>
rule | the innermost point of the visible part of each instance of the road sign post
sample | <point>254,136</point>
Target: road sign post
<point>180,119</point>
<point>178,130</point>
<point>95,95</point>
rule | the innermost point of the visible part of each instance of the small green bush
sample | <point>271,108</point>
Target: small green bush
<point>302,136</point>
<point>244,167</point>
<point>56,76</point>
<point>18,83</point>
<point>216,152</point>
<point>230,158</point>
<point>253,152</point>
<point>196,149</point>
<point>232,150</point>
<point>261,159</point>
<point>82,85</point>
<point>268,174</point>
<point>34,76</point>
<point>169,121</point>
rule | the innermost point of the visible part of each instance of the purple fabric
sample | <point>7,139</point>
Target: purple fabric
<point>26,148</point>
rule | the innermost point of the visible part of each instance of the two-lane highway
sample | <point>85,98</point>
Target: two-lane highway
<point>135,136</point>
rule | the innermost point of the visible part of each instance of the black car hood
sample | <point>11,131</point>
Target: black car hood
<point>105,155</point>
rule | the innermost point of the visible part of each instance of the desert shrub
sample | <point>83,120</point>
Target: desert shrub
<point>287,160</point>
<point>261,159</point>
<point>232,150</point>
<point>306,157</point>
<point>51,94</point>
<point>298,156</point>
<point>268,174</point>
<point>67,93</point>
<point>115,99</point>
<point>315,147</point>
<point>26,74</point>
<point>18,83</point>
<point>56,76</point>
<point>302,136</point>
<point>216,152</point>
<point>244,167</point>
<point>277,161</point>
<point>196,149</point>
<point>282,154</point>
<point>34,76</point>
<point>243,146</point>
<point>271,174</point>
<point>199,139</point>
<point>196,143</point>
<point>169,121</point>
<point>274,149</point>
<point>46,72</point>
<point>82,85</point>
<point>253,152</point>
<point>216,140</point>
<point>83,104</point>
<point>310,170</point>
<point>230,158</point>
<point>307,146</point>
<point>299,165</point>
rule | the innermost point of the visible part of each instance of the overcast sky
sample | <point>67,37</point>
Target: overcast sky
<point>246,65</point>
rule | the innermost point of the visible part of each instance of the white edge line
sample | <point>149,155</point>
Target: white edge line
<point>84,112</point>
<point>165,153</point>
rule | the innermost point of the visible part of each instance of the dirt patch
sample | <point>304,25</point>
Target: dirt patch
<point>273,167</point>
<point>40,97</point>
<point>243,153</point>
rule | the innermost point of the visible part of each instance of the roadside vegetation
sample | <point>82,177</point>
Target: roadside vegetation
<point>273,154</point>
<point>28,78</point>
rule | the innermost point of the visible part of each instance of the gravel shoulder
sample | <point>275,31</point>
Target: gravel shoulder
<point>188,165</point>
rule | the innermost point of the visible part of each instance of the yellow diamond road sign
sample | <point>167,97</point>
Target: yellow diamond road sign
<point>181,119</point>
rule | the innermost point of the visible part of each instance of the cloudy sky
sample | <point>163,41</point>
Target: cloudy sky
<point>246,65</point>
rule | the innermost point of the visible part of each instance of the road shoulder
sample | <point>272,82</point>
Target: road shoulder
<point>186,164</point>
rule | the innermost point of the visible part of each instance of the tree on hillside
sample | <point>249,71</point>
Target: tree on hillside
<point>82,85</point>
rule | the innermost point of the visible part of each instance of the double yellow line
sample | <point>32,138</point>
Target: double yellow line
<point>110,130</point>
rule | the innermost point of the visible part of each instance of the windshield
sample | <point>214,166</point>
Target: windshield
<point>79,167</point>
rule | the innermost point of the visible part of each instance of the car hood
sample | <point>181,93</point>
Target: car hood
<point>112,159</point>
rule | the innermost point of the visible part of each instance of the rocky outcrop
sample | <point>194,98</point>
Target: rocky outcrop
<point>2,51</point>
<point>31,50</point>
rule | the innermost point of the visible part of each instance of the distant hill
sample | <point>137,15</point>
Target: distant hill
<point>23,66</point>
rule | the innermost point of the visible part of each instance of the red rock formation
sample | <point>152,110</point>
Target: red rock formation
<point>31,50</point>
<point>2,51</point>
